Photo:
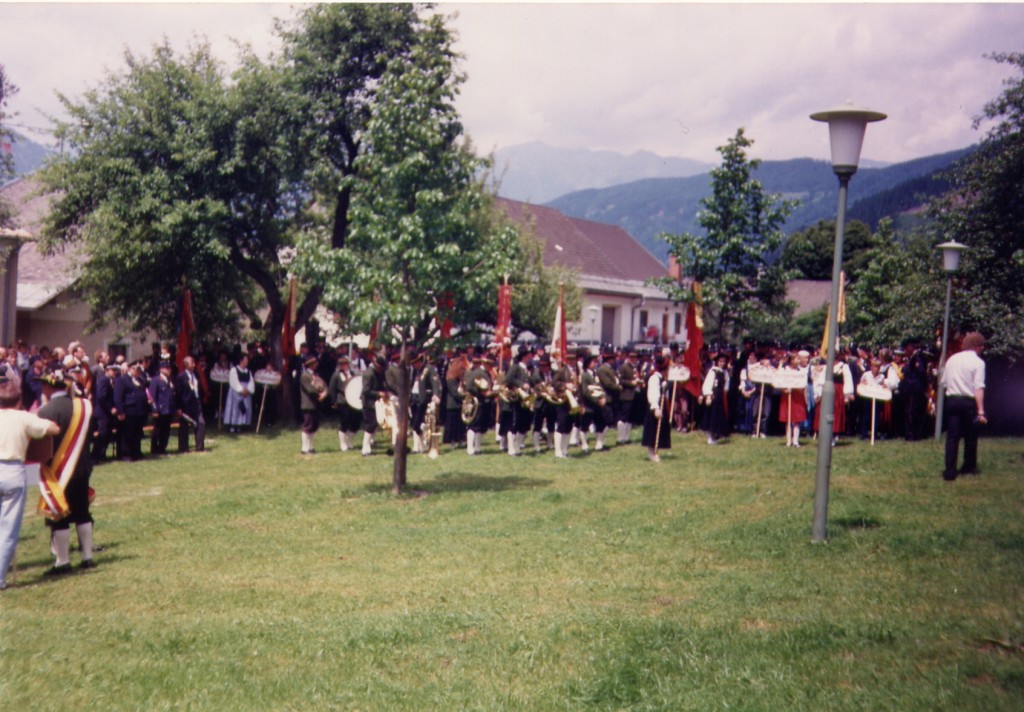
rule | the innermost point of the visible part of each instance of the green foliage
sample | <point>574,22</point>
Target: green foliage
<point>7,90</point>
<point>810,252</point>
<point>985,211</point>
<point>743,291</point>
<point>145,190</point>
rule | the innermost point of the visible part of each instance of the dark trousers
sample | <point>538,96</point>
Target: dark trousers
<point>161,434</point>
<point>961,423</point>
<point>199,425</point>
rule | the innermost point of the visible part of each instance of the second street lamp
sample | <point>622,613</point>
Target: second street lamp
<point>846,128</point>
<point>950,263</point>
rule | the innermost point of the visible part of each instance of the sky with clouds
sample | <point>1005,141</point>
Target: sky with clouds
<point>676,79</point>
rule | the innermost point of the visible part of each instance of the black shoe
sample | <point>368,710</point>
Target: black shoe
<point>87,564</point>
<point>972,471</point>
<point>58,570</point>
<point>948,476</point>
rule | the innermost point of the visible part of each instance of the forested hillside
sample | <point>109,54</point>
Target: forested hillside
<point>647,208</point>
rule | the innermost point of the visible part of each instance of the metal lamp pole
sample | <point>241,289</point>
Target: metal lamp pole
<point>950,262</point>
<point>847,126</point>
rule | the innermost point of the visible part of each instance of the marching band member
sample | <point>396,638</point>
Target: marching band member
<point>609,380</point>
<point>348,417</point>
<point>593,400</point>
<point>517,384</point>
<point>544,408</point>
<point>373,391</point>
<point>628,380</point>
<point>657,433</point>
<point>478,384</point>
<point>426,389</point>
<point>562,383</point>
<point>312,391</point>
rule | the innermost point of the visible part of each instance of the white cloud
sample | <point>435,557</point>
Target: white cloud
<point>673,78</point>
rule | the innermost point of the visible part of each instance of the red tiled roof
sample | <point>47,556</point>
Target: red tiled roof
<point>593,249</point>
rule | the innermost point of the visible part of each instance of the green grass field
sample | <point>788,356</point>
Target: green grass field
<point>254,578</point>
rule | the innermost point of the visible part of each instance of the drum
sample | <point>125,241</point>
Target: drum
<point>354,392</point>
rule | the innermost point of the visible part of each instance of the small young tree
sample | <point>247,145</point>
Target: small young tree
<point>420,220</point>
<point>743,230</point>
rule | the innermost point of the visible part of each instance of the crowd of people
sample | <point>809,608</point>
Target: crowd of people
<point>532,398</point>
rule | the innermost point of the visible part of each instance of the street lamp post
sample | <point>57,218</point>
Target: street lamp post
<point>846,126</point>
<point>950,263</point>
<point>593,309</point>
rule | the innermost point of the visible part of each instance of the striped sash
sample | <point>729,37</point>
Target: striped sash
<point>54,475</point>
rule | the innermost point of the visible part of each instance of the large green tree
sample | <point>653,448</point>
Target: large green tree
<point>420,220</point>
<point>985,211</point>
<point>174,171</point>
<point>7,90</point>
<point>809,252</point>
<point>743,290</point>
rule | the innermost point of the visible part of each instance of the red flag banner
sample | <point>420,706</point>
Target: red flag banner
<point>559,335</point>
<point>445,306</point>
<point>691,357</point>
<point>287,330</point>
<point>501,331</point>
<point>186,327</point>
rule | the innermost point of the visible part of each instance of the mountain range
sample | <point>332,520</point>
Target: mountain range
<point>646,208</point>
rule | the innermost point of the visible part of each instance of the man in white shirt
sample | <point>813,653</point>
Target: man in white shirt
<point>964,381</point>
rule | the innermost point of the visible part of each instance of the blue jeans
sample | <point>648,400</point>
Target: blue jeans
<point>12,508</point>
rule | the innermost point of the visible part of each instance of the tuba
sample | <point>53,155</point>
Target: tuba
<point>432,433</point>
<point>596,394</point>
<point>470,408</point>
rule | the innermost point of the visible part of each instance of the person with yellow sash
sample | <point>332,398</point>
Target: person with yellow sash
<point>64,479</point>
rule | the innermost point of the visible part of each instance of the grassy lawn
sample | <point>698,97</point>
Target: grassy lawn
<point>255,578</point>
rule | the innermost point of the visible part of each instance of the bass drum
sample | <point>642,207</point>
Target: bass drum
<point>354,392</point>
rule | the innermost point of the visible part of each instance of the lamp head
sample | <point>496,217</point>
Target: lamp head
<point>951,255</point>
<point>846,127</point>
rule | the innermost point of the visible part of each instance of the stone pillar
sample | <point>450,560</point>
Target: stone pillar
<point>10,246</point>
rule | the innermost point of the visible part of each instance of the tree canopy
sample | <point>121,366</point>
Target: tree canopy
<point>743,291</point>
<point>7,90</point>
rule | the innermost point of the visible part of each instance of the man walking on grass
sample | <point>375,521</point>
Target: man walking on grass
<point>964,381</point>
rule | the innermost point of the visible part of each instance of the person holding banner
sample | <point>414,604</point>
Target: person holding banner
<point>715,392</point>
<point>17,427</point>
<point>843,384</point>
<point>792,383</point>
<point>64,479</point>
<point>657,434</point>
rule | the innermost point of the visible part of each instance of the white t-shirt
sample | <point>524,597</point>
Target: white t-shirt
<point>964,374</point>
<point>17,427</point>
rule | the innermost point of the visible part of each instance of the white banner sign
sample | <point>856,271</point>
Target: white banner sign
<point>760,373</point>
<point>220,375</point>
<point>790,379</point>
<point>870,390</point>
<point>678,373</point>
<point>267,377</point>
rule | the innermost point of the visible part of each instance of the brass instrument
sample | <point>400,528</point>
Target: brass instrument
<point>572,400</point>
<point>596,394</point>
<point>547,392</point>
<point>387,418</point>
<point>432,433</point>
<point>470,407</point>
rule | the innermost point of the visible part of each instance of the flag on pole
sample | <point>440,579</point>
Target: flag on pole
<point>445,305</point>
<point>841,319</point>
<point>186,327</point>
<point>287,329</point>
<point>560,335</point>
<point>824,337</point>
<point>694,345</point>
<point>501,330</point>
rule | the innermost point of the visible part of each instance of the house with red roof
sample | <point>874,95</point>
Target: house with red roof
<point>618,306</point>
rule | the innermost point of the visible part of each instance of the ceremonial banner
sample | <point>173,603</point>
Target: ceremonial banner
<point>501,331</point>
<point>789,379</point>
<point>445,305</point>
<point>267,377</point>
<point>560,334</point>
<point>678,373</point>
<point>694,344</point>
<point>760,373</point>
<point>55,474</point>
<point>219,374</point>
<point>870,390</point>
<point>186,327</point>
